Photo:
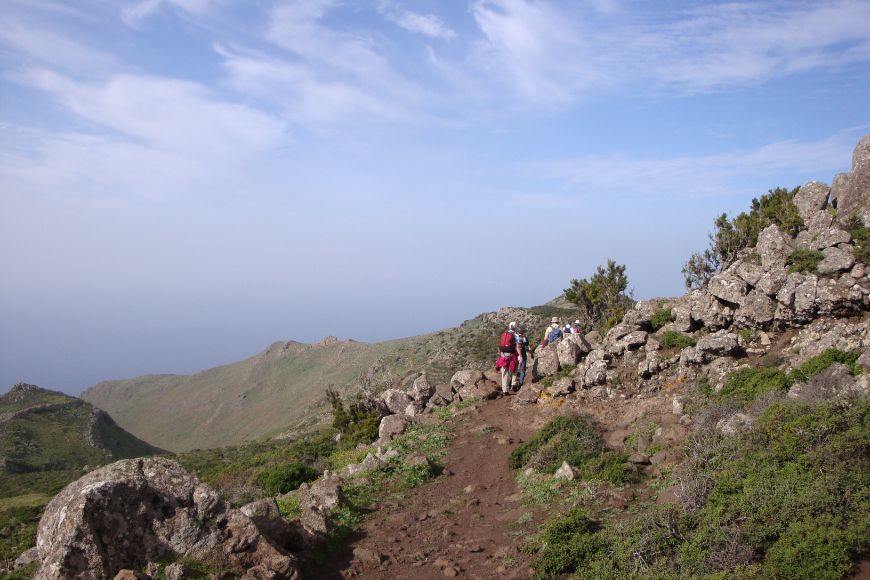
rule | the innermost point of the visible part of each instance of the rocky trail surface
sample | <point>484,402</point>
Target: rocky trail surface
<point>464,523</point>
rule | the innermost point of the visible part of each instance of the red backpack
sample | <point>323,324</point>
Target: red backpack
<point>507,342</point>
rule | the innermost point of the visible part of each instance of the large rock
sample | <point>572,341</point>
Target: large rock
<point>595,374</point>
<point>748,271</point>
<point>718,344</point>
<point>392,426</point>
<point>852,194</point>
<point>136,511</point>
<point>773,247</point>
<point>756,309</point>
<point>482,389</point>
<point>710,311</point>
<point>772,280</point>
<point>528,394</point>
<point>396,400</point>
<point>833,298</point>
<point>317,501</point>
<point>562,387</point>
<point>465,378</point>
<point>727,287</point>
<point>422,390</point>
<point>546,362</point>
<point>811,198</point>
<point>567,351</point>
<point>735,424</point>
<point>443,395</point>
<point>836,260</point>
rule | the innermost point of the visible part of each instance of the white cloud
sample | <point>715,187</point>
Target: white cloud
<point>425,24</point>
<point>39,43</point>
<point>730,173</point>
<point>556,53</point>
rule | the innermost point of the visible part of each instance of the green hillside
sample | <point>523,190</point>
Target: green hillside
<point>282,388</point>
<point>43,430</point>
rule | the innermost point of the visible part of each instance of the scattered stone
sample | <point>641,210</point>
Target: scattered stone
<point>395,400</point>
<point>735,424</point>
<point>422,390</point>
<point>835,382</point>
<point>566,471</point>
<point>264,507</point>
<point>639,459</point>
<point>562,387</point>
<point>392,426</point>
<point>465,378</point>
<point>317,501</point>
<point>527,395</point>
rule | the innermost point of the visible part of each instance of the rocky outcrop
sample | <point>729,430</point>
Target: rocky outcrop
<point>850,191</point>
<point>133,512</point>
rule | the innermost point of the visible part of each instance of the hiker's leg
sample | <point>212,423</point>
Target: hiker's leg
<point>505,379</point>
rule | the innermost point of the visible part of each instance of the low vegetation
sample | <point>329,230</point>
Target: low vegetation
<point>861,239</point>
<point>805,261</point>
<point>660,317</point>
<point>678,340</point>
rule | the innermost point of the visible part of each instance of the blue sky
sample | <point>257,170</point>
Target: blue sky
<point>183,182</point>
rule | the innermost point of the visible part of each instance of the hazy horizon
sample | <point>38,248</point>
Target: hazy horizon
<point>184,182</point>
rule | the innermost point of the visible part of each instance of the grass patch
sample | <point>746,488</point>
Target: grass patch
<point>861,239</point>
<point>674,339</point>
<point>804,260</point>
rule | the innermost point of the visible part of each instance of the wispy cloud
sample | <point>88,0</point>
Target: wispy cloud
<point>39,44</point>
<point>623,176</point>
<point>425,24</point>
<point>134,14</point>
<point>556,53</point>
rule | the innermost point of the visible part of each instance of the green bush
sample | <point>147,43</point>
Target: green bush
<point>733,235</point>
<point>357,423</point>
<point>661,317</point>
<point>279,479</point>
<point>811,548</point>
<point>674,339</point>
<point>571,438</point>
<point>744,385</point>
<point>820,362</point>
<point>567,542</point>
<point>804,260</point>
<point>861,238</point>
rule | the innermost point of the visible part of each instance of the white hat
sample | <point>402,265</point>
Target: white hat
<point>576,322</point>
<point>555,319</point>
<point>512,326</point>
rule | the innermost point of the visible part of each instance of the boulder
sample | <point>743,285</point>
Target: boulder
<point>785,295</point>
<point>718,344</point>
<point>567,351</point>
<point>482,390</point>
<point>682,314</point>
<point>852,196</point>
<point>546,362</point>
<point>836,299</point>
<point>756,309</point>
<point>391,426</point>
<point>650,365</point>
<point>634,340</point>
<point>836,260</point>
<point>527,394</point>
<point>594,339</point>
<point>727,287</point>
<point>805,299</point>
<point>266,507</point>
<point>773,247</point>
<point>396,400</point>
<point>443,395</point>
<point>465,378</point>
<point>413,409</point>
<point>561,387</point>
<point>864,359</point>
<point>135,511</point>
<point>567,472</point>
<point>317,502</point>
<point>422,390</point>
<point>820,236</point>
<point>595,374</point>
<point>748,271</point>
<point>811,198</point>
<point>370,463</point>
<point>772,280</point>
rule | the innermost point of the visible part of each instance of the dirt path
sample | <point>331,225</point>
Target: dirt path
<point>465,523</point>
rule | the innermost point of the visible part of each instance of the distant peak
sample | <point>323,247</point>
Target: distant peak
<point>328,341</point>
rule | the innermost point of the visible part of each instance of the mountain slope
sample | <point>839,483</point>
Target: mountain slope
<point>282,387</point>
<point>46,430</point>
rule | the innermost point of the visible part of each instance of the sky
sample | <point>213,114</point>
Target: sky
<point>183,182</point>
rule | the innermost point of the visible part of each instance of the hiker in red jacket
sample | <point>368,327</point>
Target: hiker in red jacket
<point>509,354</point>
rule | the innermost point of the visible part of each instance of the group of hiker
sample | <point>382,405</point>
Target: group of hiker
<point>514,350</point>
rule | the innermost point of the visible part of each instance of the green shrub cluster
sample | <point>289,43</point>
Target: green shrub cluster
<point>804,260</point>
<point>733,235</point>
<point>861,238</point>
<point>674,339</point>
<point>564,372</point>
<point>786,500</point>
<point>661,317</point>
<point>575,439</point>
<point>357,422</point>
<point>279,479</point>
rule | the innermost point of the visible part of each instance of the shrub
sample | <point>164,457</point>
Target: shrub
<point>357,423</point>
<point>674,339</point>
<point>280,479</point>
<point>602,298</point>
<point>732,235</point>
<point>566,543</point>
<point>571,438</point>
<point>804,260</point>
<point>661,317</point>
<point>810,548</point>
<point>821,362</point>
<point>861,238</point>
<point>744,385</point>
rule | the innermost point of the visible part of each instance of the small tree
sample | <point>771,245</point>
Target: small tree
<point>602,299</point>
<point>730,236</point>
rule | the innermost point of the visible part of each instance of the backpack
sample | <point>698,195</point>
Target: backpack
<point>507,342</point>
<point>554,335</point>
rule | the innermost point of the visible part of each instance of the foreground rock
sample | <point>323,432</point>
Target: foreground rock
<point>136,511</point>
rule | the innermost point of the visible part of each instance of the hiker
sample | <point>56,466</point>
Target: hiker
<point>554,329</point>
<point>508,357</point>
<point>576,328</point>
<point>523,343</point>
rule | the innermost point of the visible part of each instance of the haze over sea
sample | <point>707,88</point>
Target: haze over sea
<point>183,182</point>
